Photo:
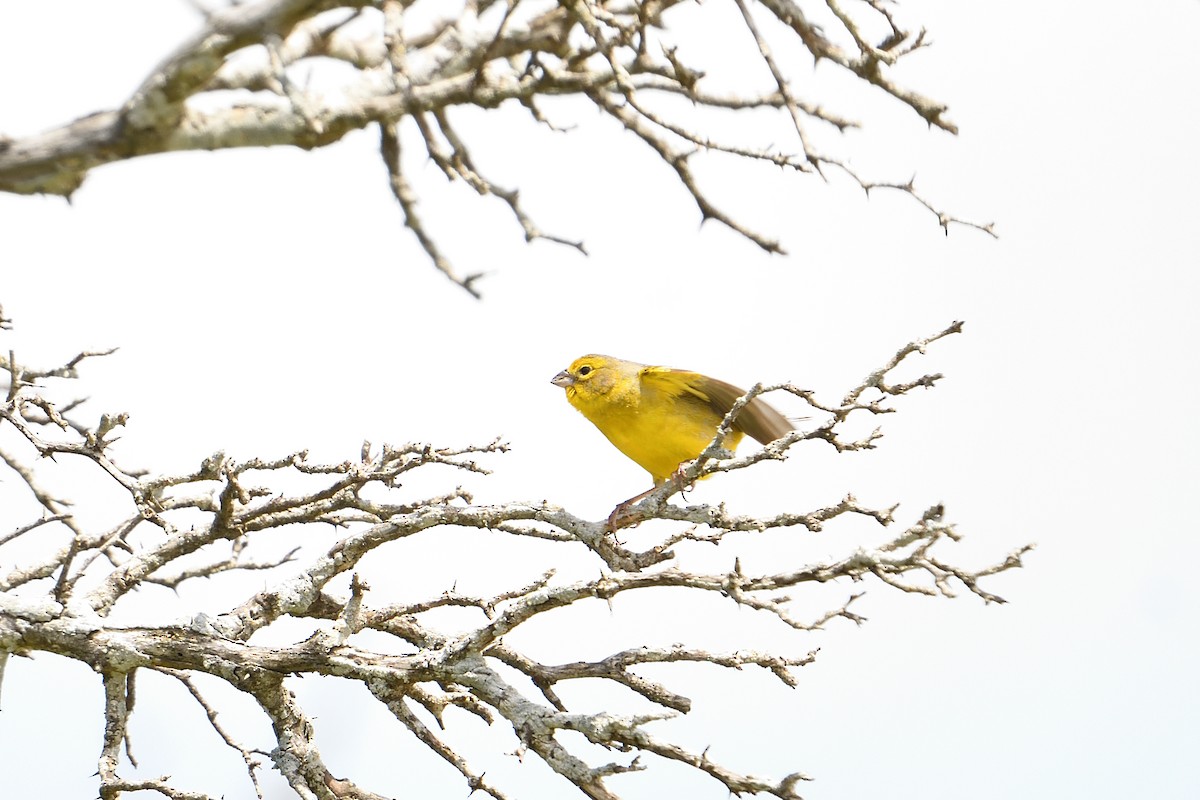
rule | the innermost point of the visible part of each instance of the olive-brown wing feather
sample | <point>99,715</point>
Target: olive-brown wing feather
<point>757,419</point>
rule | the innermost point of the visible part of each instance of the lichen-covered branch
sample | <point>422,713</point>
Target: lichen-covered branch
<point>239,82</point>
<point>213,521</point>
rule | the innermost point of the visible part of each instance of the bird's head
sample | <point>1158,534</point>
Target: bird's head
<point>589,375</point>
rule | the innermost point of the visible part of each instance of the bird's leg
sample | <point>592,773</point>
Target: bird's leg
<point>620,516</point>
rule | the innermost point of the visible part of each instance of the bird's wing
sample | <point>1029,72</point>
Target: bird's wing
<point>757,419</point>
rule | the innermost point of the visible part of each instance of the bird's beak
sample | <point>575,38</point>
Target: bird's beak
<point>563,379</point>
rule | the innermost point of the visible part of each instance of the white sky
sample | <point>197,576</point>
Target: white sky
<point>269,301</point>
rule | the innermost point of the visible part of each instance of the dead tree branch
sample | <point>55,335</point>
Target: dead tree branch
<point>238,82</point>
<point>230,504</point>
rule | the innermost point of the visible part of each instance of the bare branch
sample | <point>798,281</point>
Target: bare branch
<point>215,515</point>
<point>116,720</point>
<point>247,755</point>
<point>407,198</point>
<point>401,711</point>
<point>237,82</point>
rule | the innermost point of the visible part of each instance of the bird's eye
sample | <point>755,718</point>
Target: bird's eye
<point>584,370</point>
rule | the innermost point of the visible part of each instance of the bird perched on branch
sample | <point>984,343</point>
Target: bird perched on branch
<point>661,417</point>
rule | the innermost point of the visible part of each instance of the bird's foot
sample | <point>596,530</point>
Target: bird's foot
<point>621,516</point>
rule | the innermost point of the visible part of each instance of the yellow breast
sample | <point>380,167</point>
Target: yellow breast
<point>657,429</point>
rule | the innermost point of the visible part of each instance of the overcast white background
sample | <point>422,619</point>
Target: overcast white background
<point>268,301</point>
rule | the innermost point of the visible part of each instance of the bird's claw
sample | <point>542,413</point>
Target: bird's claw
<point>620,516</point>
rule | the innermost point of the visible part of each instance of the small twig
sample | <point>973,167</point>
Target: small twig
<point>252,763</point>
<point>406,196</point>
